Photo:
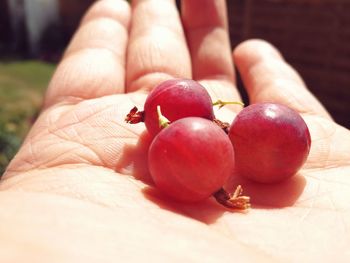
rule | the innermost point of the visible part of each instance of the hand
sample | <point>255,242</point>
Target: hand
<point>79,190</point>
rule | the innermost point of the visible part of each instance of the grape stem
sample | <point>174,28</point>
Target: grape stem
<point>163,121</point>
<point>233,200</point>
<point>221,103</point>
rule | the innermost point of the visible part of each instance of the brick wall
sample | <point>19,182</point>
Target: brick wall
<point>314,36</point>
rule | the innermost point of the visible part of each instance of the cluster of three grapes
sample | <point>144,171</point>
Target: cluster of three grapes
<point>193,154</point>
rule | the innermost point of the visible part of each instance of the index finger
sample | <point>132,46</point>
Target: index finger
<point>93,64</point>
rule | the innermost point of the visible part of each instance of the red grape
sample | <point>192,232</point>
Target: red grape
<point>178,98</point>
<point>191,159</point>
<point>271,142</point>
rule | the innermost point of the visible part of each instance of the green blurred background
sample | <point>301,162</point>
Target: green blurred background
<point>313,35</point>
<point>33,35</point>
<point>22,85</point>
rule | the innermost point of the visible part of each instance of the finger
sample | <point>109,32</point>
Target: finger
<point>269,78</point>
<point>206,29</point>
<point>94,62</point>
<point>157,48</point>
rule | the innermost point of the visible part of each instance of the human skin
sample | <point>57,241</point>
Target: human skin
<point>79,191</point>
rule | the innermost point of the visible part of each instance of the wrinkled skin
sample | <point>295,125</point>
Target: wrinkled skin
<point>78,189</point>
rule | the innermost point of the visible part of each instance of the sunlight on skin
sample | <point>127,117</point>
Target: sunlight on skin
<point>75,177</point>
<point>79,189</point>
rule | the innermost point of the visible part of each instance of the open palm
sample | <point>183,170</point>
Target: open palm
<point>79,189</point>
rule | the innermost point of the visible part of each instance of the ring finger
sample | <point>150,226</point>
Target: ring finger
<point>208,40</point>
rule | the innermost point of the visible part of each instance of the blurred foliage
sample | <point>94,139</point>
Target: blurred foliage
<point>22,85</point>
<point>9,143</point>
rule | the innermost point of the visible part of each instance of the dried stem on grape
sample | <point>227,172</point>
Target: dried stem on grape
<point>223,125</point>
<point>134,116</point>
<point>233,200</point>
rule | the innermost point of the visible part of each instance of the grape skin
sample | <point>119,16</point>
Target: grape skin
<point>178,98</point>
<point>191,159</point>
<point>271,142</point>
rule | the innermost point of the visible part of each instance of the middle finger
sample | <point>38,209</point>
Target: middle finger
<point>157,49</point>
